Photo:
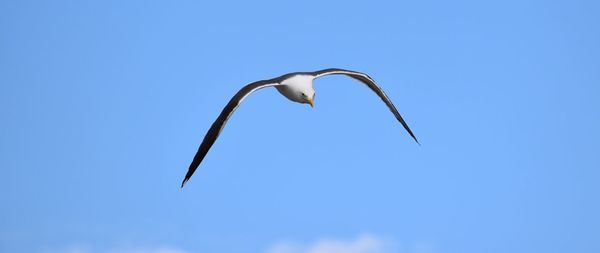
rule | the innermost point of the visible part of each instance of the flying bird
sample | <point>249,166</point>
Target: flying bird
<point>298,87</point>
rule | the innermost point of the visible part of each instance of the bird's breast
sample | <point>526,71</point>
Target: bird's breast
<point>289,92</point>
<point>293,87</point>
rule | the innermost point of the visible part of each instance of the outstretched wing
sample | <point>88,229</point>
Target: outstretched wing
<point>364,78</point>
<point>214,131</point>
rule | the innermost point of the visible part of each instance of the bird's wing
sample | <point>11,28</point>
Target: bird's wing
<point>364,78</point>
<point>214,131</point>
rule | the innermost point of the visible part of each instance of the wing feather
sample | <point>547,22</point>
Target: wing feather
<point>216,128</point>
<point>364,78</point>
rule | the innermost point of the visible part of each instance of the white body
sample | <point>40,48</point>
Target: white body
<point>298,88</point>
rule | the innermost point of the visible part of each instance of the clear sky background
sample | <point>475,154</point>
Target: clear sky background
<point>103,105</point>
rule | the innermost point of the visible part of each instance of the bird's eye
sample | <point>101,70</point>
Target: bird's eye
<point>303,95</point>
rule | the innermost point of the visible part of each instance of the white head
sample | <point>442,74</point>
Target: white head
<point>299,89</point>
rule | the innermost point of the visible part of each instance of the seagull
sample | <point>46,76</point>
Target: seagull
<point>297,87</point>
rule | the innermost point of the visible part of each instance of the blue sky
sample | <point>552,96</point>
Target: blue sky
<point>103,105</point>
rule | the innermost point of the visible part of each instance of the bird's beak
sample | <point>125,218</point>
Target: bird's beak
<point>311,102</point>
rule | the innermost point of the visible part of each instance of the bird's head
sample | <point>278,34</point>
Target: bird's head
<point>298,88</point>
<point>308,97</point>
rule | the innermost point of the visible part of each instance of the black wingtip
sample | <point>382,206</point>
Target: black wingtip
<point>184,182</point>
<point>413,136</point>
<point>410,132</point>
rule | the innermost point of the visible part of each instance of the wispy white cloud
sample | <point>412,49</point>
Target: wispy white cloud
<point>362,244</point>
